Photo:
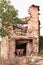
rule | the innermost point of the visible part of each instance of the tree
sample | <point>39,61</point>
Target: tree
<point>9,16</point>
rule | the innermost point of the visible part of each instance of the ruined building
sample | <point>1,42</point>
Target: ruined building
<point>23,39</point>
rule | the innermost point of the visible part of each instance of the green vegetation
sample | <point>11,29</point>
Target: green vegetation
<point>9,16</point>
<point>41,46</point>
<point>3,32</point>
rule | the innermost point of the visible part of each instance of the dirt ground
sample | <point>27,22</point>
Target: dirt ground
<point>24,61</point>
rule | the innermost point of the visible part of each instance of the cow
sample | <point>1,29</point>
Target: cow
<point>19,52</point>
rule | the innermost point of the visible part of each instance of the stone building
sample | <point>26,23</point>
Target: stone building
<point>23,39</point>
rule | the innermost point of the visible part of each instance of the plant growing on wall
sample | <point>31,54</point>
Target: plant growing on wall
<point>9,16</point>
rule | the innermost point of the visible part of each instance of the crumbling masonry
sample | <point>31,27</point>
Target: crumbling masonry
<point>23,39</point>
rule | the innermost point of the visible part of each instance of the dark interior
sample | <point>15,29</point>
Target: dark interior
<point>20,47</point>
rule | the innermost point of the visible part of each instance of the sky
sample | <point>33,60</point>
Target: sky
<point>23,5</point>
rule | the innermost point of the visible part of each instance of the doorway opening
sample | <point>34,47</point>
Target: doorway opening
<point>20,49</point>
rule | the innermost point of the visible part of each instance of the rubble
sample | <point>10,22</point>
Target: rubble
<point>27,37</point>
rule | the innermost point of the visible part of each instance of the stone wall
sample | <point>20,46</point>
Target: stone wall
<point>33,28</point>
<point>4,48</point>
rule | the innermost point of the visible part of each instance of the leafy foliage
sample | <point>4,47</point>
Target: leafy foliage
<point>3,32</point>
<point>8,14</point>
